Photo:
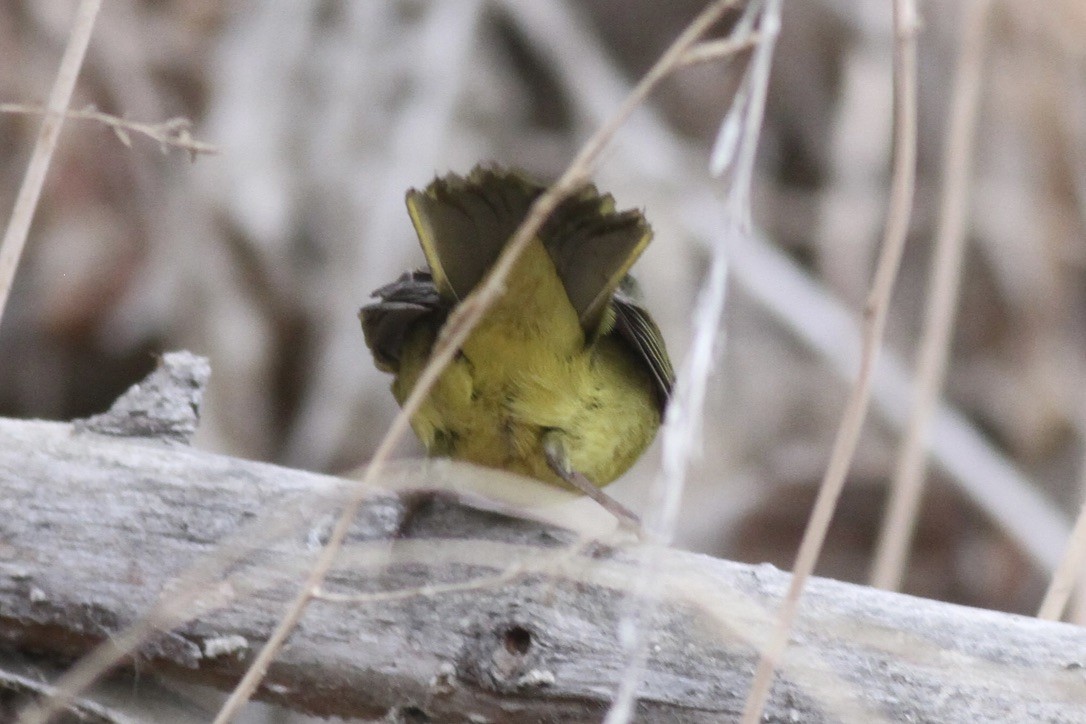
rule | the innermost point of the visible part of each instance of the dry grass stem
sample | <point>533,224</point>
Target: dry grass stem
<point>679,435</point>
<point>199,588</point>
<point>542,563</point>
<point>875,311</point>
<point>802,304</point>
<point>460,324</point>
<point>83,711</point>
<point>895,539</point>
<point>711,50</point>
<point>682,432</point>
<point>982,472</point>
<point>174,133</point>
<point>30,191</point>
<point>1077,613</point>
<point>510,574</point>
<point>417,135</point>
<point>110,652</point>
<point>306,177</point>
<point>1068,573</point>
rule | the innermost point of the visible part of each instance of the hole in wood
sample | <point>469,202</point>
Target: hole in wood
<point>517,640</point>
<point>413,715</point>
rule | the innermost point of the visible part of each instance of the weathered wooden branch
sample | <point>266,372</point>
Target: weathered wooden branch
<point>443,611</point>
<point>14,687</point>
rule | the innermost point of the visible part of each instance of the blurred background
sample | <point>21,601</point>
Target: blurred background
<point>326,111</point>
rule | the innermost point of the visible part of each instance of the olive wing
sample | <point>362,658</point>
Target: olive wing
<point>636,327</point>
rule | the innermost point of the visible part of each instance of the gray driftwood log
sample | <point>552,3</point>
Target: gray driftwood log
<point>468,615</point>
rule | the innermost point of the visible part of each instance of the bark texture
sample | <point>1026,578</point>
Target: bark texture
<point>444,610</point>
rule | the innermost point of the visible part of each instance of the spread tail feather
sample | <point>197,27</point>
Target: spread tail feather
<point>464,223</point>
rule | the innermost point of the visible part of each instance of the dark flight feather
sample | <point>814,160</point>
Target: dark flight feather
<point>464,223</point>
<point>409,300</point>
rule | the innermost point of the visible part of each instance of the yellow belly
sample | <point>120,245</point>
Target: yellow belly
<point>525,371</point>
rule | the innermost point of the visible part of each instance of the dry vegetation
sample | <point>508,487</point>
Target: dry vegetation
<point>325,112</point>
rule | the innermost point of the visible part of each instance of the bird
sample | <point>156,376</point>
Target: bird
<point>566,378</point>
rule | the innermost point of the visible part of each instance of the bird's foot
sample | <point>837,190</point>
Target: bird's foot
<point>558,461</point>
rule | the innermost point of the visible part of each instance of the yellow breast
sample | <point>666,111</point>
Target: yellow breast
<point>526,370</point>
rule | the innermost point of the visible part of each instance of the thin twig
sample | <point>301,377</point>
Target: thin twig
<point>678,439</point>
<point>906,488</point>
<point>825,326</point>
<point>711,50</point>
<point>427,591</point>
<point>1070,568</point>
<point>875,311</point>
<point>81,710</point>
<point>1076,543</point>
<point>685,414</point>
<point>1069,571</point>
<point>200,588</point>
<point>460,324</point>
<point>791,295</point>
<point>542,563</point>
<point>175,133</point>
<point>418,133</point>
<point>59,97</point>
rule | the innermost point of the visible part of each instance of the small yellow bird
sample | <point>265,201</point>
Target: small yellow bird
<point>567,376</point>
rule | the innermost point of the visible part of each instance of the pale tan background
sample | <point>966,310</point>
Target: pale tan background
<point>326,111</point>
